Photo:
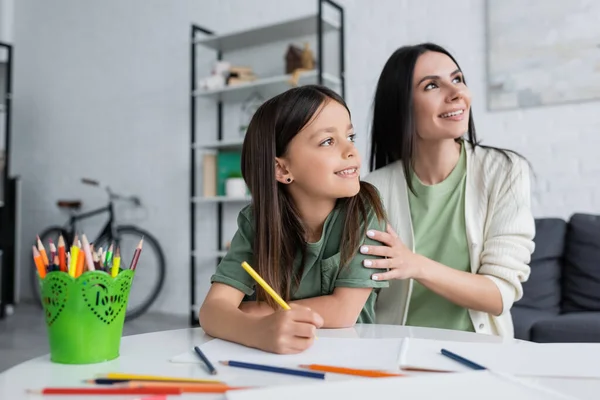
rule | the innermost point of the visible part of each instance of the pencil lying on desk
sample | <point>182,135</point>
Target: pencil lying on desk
<point>279,370</point>
<point>106,391</point>
<point>185,387</point>
<point>137,377</point>
<point>351,371</point>
<point>205,360</point>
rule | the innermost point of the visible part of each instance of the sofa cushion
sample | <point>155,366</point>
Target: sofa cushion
<point>524,318</point>
<point>542,289</point>
<point>581,273</point>
<point>582,327</point>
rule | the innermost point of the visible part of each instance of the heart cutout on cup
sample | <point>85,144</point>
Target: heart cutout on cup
<point>55,288</point>
<point>104,296</point>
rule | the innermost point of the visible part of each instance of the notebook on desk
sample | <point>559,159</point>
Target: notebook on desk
<point>557,360</point>
<point>352,353</point>
<point>468,386</point>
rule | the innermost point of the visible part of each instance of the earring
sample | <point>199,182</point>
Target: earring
<point>289,180</point>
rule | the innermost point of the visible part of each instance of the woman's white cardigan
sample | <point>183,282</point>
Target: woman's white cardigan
<point>500,230</point>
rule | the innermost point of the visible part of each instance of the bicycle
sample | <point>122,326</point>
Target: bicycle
<point>150,273</point>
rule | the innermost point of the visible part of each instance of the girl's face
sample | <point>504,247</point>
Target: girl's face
<point>442,101</point>
<point>321,160</point>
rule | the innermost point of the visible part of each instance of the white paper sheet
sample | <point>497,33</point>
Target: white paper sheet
<point>353,353</point>
<point>571,360</point>
<point>466,386</point>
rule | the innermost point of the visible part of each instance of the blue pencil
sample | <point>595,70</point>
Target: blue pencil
<point>280,370</point>
<point>462,360</point>
<point>205,360</point>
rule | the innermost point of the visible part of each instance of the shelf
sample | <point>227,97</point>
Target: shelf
<point>221,199</point>
<point>291,29</point>
<point>213,253</point>
<point>235,144</point>
<point>268,87</point>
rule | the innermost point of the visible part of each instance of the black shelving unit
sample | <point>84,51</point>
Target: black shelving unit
<point>317,24</point>
<point>8,203</point>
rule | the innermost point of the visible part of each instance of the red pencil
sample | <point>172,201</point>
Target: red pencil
<point>106,391</point>
<point>62,255</point>
<point>136,255</point>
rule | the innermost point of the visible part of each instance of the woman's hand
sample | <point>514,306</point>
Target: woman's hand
<point>400,260</point>
<point>288,331</point>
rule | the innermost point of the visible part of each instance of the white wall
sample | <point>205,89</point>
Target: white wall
<point>94,79</point>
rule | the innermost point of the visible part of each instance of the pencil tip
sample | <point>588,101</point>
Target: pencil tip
<point>224,362</point>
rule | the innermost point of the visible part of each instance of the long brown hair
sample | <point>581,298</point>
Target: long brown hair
<point>279,232</point>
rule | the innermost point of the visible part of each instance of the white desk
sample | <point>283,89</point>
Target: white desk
<point>150,354</point>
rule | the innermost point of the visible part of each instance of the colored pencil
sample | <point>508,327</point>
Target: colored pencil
<point>205,360</point>
<point>116,263</point>
<point>80,260</point>
<point>136,255</point>
<point>137,377</point>
<point>279,370</point>
<point>186,387</point>
<point>351,371</point>
<point>62,254</point>
<point>265,286</point>
<point>52,249</point>
<point>95,259</point>
<point>73,262</point>
<point>107,391</point>
<point>462,360</point>
<point>109,255</point>
<point>39,263</point>
<point>87,251</point>
<point>42,251</point>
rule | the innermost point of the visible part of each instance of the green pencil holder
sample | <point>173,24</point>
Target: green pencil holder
<point>85,315</point>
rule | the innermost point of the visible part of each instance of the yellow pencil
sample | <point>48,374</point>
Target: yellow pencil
<point>136,377</point>
<point>73,263</point>
<point>265,286</point>
<point>116,263</point>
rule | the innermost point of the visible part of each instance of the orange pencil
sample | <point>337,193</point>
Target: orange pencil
<point>184,387</point>
<point>80,261</point>
<point>62,255</point>
<point>42,251</point>
<point>39,263</point>
<point>351,371</point>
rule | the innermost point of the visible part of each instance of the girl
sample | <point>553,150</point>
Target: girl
<point>461,210</point>
<point>302,231</point>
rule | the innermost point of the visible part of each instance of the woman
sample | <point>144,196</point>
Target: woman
<point>461,210</point>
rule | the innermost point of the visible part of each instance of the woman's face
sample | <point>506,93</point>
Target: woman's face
<point>442,101</point>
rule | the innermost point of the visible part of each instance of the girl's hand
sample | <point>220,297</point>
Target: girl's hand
<point>401,262</point>
<point>259,309</point>
<point>288,331</point>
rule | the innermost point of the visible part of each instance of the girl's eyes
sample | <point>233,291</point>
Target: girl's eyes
<point>330,141</point>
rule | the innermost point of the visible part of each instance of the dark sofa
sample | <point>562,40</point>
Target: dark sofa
<point>561,299</point>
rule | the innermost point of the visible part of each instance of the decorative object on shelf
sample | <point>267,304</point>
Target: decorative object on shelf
<point>298,61</point>
<point>240,75</point>
<point>209,175</point>
<point>249,107</point>
<point>218,77</point>
<point>293,59</point>
<point>228,163</point>
<point>235,186</point>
